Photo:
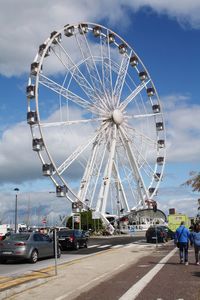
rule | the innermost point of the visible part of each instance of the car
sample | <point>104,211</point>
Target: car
<point>30,246</point>
<point>72,238</point>
<point>156,234</point>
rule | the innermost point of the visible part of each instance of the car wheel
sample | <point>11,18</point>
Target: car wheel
<point>34,257</point>
<point>76,246</point>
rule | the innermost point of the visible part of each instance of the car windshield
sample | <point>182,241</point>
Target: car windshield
<point>65,233</point>
<point>18,237</point>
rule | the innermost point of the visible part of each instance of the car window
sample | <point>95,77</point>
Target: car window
<point>65,233</point>
<point>18,237</point>
<point>37,238</point>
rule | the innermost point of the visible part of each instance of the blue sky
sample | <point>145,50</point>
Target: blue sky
<point>166,36</point>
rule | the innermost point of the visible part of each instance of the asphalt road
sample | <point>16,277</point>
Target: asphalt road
<point>14,268</point>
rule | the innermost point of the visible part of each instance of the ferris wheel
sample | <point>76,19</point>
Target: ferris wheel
<point>96,120</point>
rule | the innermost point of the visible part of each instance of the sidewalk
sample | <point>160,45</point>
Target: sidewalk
<point>79,275</point>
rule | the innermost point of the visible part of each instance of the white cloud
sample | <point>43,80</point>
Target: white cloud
<point>25,27</point>
<point>182,127</point>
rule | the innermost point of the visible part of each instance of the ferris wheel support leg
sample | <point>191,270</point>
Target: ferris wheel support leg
<point>103,195</point>
<point>135,168</point>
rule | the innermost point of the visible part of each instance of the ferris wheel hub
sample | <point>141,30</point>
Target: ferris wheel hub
<point>117,116</point>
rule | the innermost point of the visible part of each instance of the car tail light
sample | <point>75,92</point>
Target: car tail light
<point>71,238</point>
<point>20,244</point>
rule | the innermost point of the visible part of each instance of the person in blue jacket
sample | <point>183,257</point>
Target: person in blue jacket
<point>183,236</point>
<point>195,239</point>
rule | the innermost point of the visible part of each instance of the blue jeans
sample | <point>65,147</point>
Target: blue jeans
<point>183,251</point>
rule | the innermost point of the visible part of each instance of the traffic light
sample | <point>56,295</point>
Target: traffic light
<point>155,207</point>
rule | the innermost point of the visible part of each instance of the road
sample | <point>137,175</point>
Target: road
<point>95,245</point>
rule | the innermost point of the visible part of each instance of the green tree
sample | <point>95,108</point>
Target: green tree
<point>194,181</point>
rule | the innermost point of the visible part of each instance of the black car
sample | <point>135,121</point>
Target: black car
<point>156,233</point>
<point>72,238</point>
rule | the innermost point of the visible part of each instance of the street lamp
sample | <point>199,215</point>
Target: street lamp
<point>16,191</point>
<point>87,201</point>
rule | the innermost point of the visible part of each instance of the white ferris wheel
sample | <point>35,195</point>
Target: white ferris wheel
<point>96,120</point>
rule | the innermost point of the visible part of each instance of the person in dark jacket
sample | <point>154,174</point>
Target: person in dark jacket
<point>182,236</point>
<point>195,240</point>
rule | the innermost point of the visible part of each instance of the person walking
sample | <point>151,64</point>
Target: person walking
<point>195,239</point>
<point>182,238</point>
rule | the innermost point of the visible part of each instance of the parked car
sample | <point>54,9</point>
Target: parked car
<point>29,245</point>
<point>72,238</point>
<point>154,233</point>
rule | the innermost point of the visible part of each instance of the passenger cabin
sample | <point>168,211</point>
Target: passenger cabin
<point>161,143</point>
<point>160,160</point>
<point>143,75</point>
<point>34,68</point>
<point>47,169</point>
<point>157,176</point>
<point>151,190</point>
<point>150,92</point>
<point>57,38</point>
<point>134,61</point>
<point>83,28</point>
<point>30,91</point>
<point>111,38</point>
<point>97,31</point>
<point>37,144</point>
<point>32,117</point>
<point>69,31</point>
<point>156,108</point>
<point>122,48</point>
<point>42,48</point>
<point>159,126</point>
<point>61,191</point>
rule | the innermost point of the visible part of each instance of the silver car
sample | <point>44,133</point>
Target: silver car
<point>30,245</point>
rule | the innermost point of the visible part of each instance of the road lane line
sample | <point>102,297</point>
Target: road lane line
<point>93,246</point>
<point>103,246</point>
<point>136,289</point>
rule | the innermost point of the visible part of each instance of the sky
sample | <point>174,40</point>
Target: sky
<point>166,36</point>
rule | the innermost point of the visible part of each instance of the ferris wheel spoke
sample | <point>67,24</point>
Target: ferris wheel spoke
<point>79,76</point>
<point>68,123</point>
<point>133,95</point>
<point>143,115</point>
<point>136,132</point>
<point>106,66</point>
<point>90,63</point>
<point>60,90</point>
<point>121,77</point>
<point>78,152</point>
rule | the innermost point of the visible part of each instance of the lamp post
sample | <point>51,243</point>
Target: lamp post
<point>16,194</point>
<point>87,201</point>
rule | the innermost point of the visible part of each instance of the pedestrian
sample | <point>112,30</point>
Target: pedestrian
<point>182,238</point>
<point>195,240</point>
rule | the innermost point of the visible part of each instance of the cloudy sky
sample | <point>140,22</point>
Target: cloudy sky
<point>165,34</point>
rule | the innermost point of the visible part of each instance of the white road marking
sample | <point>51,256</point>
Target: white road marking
<point>116,246</point>
<point>104,246</point>
<point>136,289</point>
<point>93,246</point>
